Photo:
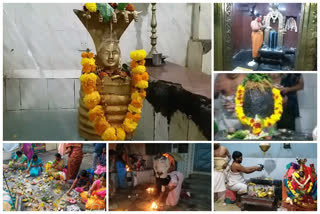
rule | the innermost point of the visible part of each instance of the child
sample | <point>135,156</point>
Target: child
<point>95,197</point>
<point>82,182</point>
<point>35,166</point>
<point>101,168</point>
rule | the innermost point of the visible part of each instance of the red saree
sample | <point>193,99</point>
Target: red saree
<point>74,160</point>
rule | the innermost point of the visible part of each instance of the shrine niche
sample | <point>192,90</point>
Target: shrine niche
<point>285,36</point>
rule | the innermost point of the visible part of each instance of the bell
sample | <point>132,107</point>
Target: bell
<point>264,146</point>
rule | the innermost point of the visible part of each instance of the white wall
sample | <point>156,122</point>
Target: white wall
<point>42,44</point>
<point>279,170</point>
<point>49,36</point>
<point>307,99</point>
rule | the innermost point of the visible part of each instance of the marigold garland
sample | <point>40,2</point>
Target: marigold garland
<point>257,124</point>
<point>92,97</point>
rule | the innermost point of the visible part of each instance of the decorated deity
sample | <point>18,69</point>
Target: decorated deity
<point>111,94</point>
<point>300,185</point>
<point>258,104</point>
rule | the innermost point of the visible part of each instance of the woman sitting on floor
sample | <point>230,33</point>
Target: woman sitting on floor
<point>82,182</point>
<point>20,161</point>
<point>101,168</point>
<point>56,167</point>
<point>95,198</point>
<point>35,166</point>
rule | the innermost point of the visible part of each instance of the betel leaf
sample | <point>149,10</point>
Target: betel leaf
<point>125,67</point>
<point>105,10</point>
<point>122,6</point>
<point>256,78</point>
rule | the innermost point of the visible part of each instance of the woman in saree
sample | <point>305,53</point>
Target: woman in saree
<point>56,167</point>
<point>95,198</point>
<point>101,168</point>
<point>20,161</point>
<point>35,166</point>
<point>27,150</point>
<point>74,150</point>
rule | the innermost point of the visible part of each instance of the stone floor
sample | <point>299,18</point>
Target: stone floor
<point>58,197</point>
<point>137,199</point>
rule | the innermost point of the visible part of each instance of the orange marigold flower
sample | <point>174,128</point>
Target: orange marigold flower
<point>136,117</point>
<point>86,68</point>
<point>101,125</point>
<point>145,76</point>
<point>136,103</point>
<point>133,64</point>
<point>136,78</point>
<point>130,7</point>
<point>90,55</point>
<point>143,94</point>
<point>93,68</point>
<point>84,54</point>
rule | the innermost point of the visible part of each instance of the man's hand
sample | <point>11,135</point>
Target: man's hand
<point>285,90</point>
<point>259,168</point>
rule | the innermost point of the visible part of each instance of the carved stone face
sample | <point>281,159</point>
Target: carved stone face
<point>109,54</point>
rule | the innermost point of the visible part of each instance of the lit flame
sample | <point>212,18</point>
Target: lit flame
<point>127,168</point>
<point>154,206</point>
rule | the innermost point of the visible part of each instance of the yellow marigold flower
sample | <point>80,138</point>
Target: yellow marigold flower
<point>95,113</point>
<point>129,125</point>
<point>135,95</point>
<point>100,125</point>
<point>139,69</point>
<point>138,55</point>
<point>133,109</point>
<point>121,135</point>
<point>88,82</point>
<point>142,84</point>
<point>92,99</point>
<point>256,131</point>
<point>275,91</point>
<point>109,134</point>
<point>85,61</point>
<point>92,61</point>
<point>92,7</point>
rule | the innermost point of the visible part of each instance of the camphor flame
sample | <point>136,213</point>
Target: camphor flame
<point>127,168</point>
<point>154,206</point>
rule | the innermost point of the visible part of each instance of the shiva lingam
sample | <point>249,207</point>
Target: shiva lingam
<point>272,51</point>
<point>258,105</point>
<point>300,185</point>
<point>110,96</point>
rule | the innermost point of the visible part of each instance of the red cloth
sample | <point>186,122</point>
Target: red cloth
<point>231,195</point>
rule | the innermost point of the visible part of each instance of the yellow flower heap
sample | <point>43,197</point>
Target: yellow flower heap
<point>92,97</point>
<point>258,124</point>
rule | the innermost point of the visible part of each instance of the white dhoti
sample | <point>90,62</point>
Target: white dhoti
<point>240,188</point>
<point>236,182</point>
<point>219,177</point>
